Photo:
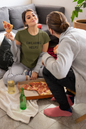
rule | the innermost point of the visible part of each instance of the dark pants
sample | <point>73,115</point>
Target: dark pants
<point>57,87</point>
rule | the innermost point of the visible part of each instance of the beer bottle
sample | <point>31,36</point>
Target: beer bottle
<point>22,100</point>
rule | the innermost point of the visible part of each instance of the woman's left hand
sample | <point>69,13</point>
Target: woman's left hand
<point>34,75</point>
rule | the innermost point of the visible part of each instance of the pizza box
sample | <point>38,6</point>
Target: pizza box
<point>33,94</point>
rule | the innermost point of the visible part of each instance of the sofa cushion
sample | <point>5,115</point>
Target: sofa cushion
<point>4,15</point>
<point>43,11</point>
<point>16,14</point>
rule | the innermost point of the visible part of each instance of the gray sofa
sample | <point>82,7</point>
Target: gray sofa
<point>13,16</point>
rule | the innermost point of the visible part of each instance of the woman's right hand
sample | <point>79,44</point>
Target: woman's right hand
<point>9,36</point>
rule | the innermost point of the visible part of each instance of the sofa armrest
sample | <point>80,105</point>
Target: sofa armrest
<point>43,11</point>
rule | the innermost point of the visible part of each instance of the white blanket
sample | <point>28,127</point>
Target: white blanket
<point>11,105</point>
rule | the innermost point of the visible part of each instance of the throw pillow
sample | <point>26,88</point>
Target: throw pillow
<point>39,25</point>
<point>50,51</point>
<point>4,15</point>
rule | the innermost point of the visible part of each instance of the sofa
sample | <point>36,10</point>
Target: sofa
<point>13,16</point>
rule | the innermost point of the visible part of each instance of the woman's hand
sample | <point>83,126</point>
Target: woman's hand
<point>34,76</point>
<point>9,36</point>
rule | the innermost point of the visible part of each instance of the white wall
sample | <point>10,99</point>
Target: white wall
<point>9,3</point>
<point>68,4</point>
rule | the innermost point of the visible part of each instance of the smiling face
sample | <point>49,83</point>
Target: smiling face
<point>31,18</point>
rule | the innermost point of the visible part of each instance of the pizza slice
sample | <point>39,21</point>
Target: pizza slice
<point>40,87</point>
<point>55,49</point>
<point>43,89</point>
<point>35,85</point>
<point>7,26</point>
<point>26,87</point>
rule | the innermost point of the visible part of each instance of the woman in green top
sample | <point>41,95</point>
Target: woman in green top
<point>28,47</point>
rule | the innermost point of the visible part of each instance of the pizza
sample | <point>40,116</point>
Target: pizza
<point>25,87</point>
<point>40,87</point>
<point>55,49</point>
<point>7,26</point>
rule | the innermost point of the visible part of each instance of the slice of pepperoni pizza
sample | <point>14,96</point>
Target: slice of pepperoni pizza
<point>55,49</point>
<point>43,89</point>
<point>7,26</point>
<point>26,87</point>
<point>40,87</point>
<point>34,85</point>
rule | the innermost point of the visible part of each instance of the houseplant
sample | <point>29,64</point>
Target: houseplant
<point>81,23</point>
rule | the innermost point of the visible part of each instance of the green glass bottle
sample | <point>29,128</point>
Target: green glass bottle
<point>22,100</point>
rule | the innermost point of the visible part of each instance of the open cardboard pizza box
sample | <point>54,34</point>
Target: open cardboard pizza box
<point>33,94</point>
